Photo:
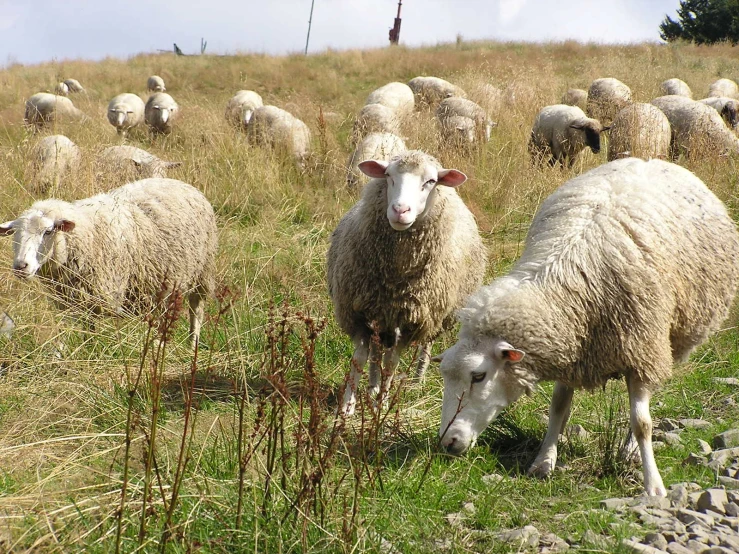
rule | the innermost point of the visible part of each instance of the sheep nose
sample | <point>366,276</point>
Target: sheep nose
<point>20,266</point>
<point>453,446</point>
<point>401,209</point>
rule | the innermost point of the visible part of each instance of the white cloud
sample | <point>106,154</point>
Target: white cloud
<point>509,9</point>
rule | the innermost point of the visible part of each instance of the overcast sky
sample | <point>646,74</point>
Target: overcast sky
<point>33,31</point>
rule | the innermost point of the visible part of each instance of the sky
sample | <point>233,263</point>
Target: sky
<point>33,31</point>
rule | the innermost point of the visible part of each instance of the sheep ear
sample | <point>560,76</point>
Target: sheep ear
<point>576,126</point>
<point>374,168</point>
<point>7,228</point>
<point>438,358</point>
<point>451,178</point>
<point>607,128</point>
<point>509,353</point>
<point>64,225</point>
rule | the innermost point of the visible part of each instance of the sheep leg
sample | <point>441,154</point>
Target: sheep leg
<point>424,358</point>
<point>196,307</point>
<point>559,413</point>
<point>390,362</point>
<point>375,368</point>
<point>641,428</point>
<point>359,359</point>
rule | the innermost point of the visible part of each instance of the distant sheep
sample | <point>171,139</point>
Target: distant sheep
<point>626,269</point>
<point>155,84</point>
<point>560,132</point>
<point>402,259</point>
<point>375,146</point>
<point>278,128</point>
<point>727,107</point>
<point>53,158</point>
<point>641,131</point>
<point>430,91</point>
<point>241,107</point>
<point>73,85</point>
<point>724,88</point>
<point>135,162</point>
<point>116,251</point>
<point>396,96</point>
<point>462,120</point>
<point>160,112</point>
<point>375,118</point>
<point>125,112</point>
<point>61,89</point>
<point>607,97</point>
<point>575,97</point>
<point>44,108</point>
<point>677,87</point>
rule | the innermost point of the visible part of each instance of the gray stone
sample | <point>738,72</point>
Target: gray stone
<point>727,541</point>
<point>718,550</point>
<point>704,447</point>
<point>693,499</point>
<point>672,536</point>
<point>678,496</point>
<point>713,499</point>
<point>668,424</point>
<point>552,543</point>
<point>696,547</point>
<point>614,503</point>
<point>672,439</point>
<point>724,455</point>
<point>692,423</point>
<point>641,548</point>
<point>526,536</point>
<point>468,508</point>
<point>731,381</point>
<point>728,482</point>
<point>492,478</point>
<point>691,516</point>
<point>727,439</point>
<point>731,509</point>
<point>455,519</point>
<point>576,431</point>
<point>677,548</point>
<point>656,540</point>
<point>733,496</point>
<point>651,501</point>
<point>694,459</point>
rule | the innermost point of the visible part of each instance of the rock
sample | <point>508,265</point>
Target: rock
<point>455,519</point>
<point>677,548</point>
<point>672,438</point>
<point>727,541</point>
<point>468,508</point>
<point>733,496</point>
<point>668,424</point>
<point>695,460</point>
<point>691,516</point>
<point>614,503</point>
<point>696,547</point>
<point>640,548</point>
<point>678,496</point>
<point>731,509</point>
<point>551,543</point>
<point>576,431</point>
<point>713,499</point>
<point>661,502</point>
<point>693,499</point>
<point>492,478</point>
<point>729,482</point>
<point>718,550</point>
<point>727,439</point>
<point>658,445</point>
<point>526,536</point>
<point>692,423</point>
<point>724,454</point>
<point>704,447</point>
<point>656,540</point>
<point>731,381</point>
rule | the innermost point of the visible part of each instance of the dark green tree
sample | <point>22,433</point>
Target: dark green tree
<point>703,22</point>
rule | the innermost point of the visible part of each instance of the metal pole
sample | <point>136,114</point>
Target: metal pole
<point>310,20</point>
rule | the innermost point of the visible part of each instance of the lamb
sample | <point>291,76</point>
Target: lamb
<point>607,97</point>
<point>160,112</point>
<point>396,96</point>
<point>626,269</point>
<point>44,108</point>
<point>430,91</point>
<point>241,107</point>
<point>640,130</point>
<point>117,251</point>
<point>155,84</point>
<point>129,160</point>
<point>724,87</point>
<point>677,87</point>
<point>463,120</point>
<point>53,157</point>
<point>73,85</point>
<point>375,118</point>
<point>278,128</point>
<point>125,112</point>
<point>401,260</point>
<point>375,146</point>
<point>727,107</point>
<point>575,97</point>
<point>560,132</point>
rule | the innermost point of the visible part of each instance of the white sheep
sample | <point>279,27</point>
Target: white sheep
<point>607,97</point>
<point>119,250</point>
<point>640,130</point>
<point>73,85</point>
<point>278,128</point>
<point>560,132</point>
<point>727,107</point>
<point>375,146</point>
<point>677,87</point>
<point>375,118</point>
<point>160,112</point>
<point>43,108</point>
<point>61,89</point>
<point>53,158</point>
<point>125,112</point>
<point>241,107</point>
<point>430,91</point>
<point>131,161</point>
<point>626,269</point>
<point>575,97</point>
<point>724,87</point>
<point>401,261</point>
<point>462,120</point>
<point>155,84</point>
<point>396,96</point>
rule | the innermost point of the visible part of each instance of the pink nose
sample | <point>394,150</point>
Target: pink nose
<point>20,266</point>
<point>401,209</point>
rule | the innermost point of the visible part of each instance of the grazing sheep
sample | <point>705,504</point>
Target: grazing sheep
<point>73,85</point>
<point>430,91</point>
<point>278,128</point>
<point>53,157</point>
<point>375,118</point>
<point>575,97</point>
<point>375,146</point>
<point>155,84</point>
<point>626,270</point>
<point>560,132</point>
<point>61,89</point>
<point>241,107</point>
<point>640,130</point>
<point>727,107</point>
<point>401,260</point>
<point>607,97</point>
<point>396,96</point>
<point>116,251</point>
<point>134,162</point>
<point>125,112</point>
<point>697,129</point>
<point>676,87</point>
<point>724,87</point>
<point>44,108</point>
<point>160,112</point>
<point>462,120</point>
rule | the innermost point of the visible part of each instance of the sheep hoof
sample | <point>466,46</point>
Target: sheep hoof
<point>541,468</point>
<point>655,491</point>
<point>347,410</point>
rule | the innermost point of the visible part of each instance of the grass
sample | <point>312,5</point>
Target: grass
<point>238,449</point>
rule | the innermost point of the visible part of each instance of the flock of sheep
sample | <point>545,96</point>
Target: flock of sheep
<point>626,268</point>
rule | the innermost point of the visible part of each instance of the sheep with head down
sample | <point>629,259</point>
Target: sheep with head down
<point>125,111</point>
<point>160,112</point>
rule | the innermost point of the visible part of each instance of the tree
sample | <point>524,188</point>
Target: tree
<point>703,22</point>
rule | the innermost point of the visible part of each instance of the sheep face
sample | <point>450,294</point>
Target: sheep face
<point>592,131</point>
<point>35,240</point>
<point>410,187</point>
<point>729,113</point>
<point>478,386</point>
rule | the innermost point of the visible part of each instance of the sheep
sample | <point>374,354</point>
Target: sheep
<point>375,146</point>
<point>575,97</point>
<point>607,97</point>
<point>724,87</point>
<point>396,96</point>
<point>160,112</point>
<point>640,130</point>
<point>43,108</point>
<point>676,87</point>
<point>280,129</point>
<point>125,112</point>
<point>560,132</point>
<point>129,160</point>
<point>155,84</point>
<point>241,107</point>
<point>73,85</point>
<point>375,118</point>
<point>117,251</point>
<point>727,107</point>
<point>697,129</point>
<point>626,269</point>
<point>53,157</point>
<point>430,91</point>
<point>401,261</point>
<point>463,120</point>
<point>61,89</point>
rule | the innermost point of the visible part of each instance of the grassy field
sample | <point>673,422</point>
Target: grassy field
<point>113,440</point>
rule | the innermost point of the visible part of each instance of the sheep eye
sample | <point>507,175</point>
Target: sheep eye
<point>47,232</point>
<point>478,377</point>
<point>429,183</point>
